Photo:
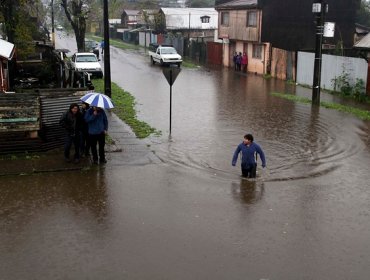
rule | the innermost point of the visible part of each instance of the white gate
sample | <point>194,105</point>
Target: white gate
<point>332,68</point>
<point>145,38</point>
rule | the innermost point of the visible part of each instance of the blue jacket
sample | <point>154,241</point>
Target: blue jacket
<point>97,124</point>
<point>248,155</point>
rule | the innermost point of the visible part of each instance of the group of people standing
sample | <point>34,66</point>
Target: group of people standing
<point>240,61</point>
<point>85,128</point>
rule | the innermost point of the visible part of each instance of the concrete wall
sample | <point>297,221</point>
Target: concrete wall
<point>226,48</point>
<point>255,65</point>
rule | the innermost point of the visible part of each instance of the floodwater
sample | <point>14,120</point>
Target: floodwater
<point>306,216</point>
<point>213,109</point>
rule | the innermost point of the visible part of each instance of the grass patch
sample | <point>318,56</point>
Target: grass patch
<point>109,140</point>
<point>124,108</point>
<point>123,46</point>
<point>116,43</point>
<point>292,97</point>
<point>126,46</point>
<point>361,114</point>
<point>188,64</point>
<point>361,98</point>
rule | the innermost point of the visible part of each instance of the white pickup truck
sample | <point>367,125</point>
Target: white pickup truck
<point>164,55</point>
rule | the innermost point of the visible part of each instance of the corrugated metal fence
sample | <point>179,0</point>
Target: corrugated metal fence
<point>332,68</point>
<point>52,104</point>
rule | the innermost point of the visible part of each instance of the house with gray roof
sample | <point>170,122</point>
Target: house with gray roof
<point>130,18</point>
<point>191,22</point>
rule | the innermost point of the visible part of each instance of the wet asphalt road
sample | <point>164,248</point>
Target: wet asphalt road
<point>191,216</point>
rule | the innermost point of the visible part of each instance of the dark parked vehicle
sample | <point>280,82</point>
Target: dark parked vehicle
<point>92,46</point>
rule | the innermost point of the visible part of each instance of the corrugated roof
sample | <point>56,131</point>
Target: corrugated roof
<point>6,49</point>
<point>239,3</point>
<point>132,12</point>
<point>178,18</point>
<point>364,43</point>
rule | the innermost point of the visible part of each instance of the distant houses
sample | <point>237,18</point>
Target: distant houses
<point>130,18</point>
<point>187,29</point>
<point>271,32</point>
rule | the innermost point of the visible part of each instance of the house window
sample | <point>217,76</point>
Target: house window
<point>225,18</point>
<point>257,51</point>
<point>251,18</point>
<point>205,19</point>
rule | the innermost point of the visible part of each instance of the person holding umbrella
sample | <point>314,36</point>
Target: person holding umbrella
<point>97,122</point>
<point>97,127</point>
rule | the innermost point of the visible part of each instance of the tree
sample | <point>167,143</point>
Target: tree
<point>9,11</point>
<point>22,22</point>
<point>77,12</point>
<point>159,23</point>
<point>115,8</point>
<point>363,14</point>
<point>200,3</point>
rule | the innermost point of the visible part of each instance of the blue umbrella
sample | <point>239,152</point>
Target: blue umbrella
<point>97,99</point>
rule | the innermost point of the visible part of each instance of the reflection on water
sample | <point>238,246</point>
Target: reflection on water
<point>72,198</point>
<point>48,221</point>
<point>248,191</point>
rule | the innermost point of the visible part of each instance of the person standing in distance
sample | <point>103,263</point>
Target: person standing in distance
<point>249,149</point>
<point>102,46</point>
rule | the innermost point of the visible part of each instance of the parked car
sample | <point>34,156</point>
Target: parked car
<point>59,27</point>
<point>92,46</point>
<point>164,55</point>
<point>87,62</point>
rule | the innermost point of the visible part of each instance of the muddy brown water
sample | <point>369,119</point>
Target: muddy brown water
<point>306,216</point>
<point>212,110</point>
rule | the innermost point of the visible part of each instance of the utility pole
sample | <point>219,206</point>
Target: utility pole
<point>52,24</point>
<point>189,34</point>
<point>319,8</point>
<point>107,75</point>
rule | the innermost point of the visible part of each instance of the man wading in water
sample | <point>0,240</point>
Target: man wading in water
<point>249,149</point>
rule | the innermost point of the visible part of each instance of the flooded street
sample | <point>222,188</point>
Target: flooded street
<point>213,109</point>
<point>306,216</point>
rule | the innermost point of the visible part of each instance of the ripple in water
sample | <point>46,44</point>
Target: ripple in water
<point>301,145</point>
